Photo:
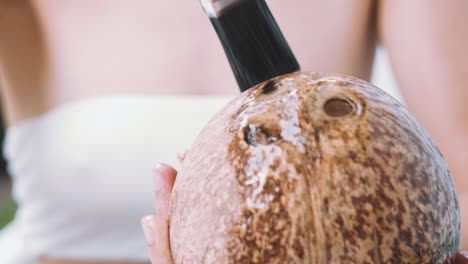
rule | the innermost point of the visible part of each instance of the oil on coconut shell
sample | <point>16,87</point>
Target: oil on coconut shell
<point>314,168</point>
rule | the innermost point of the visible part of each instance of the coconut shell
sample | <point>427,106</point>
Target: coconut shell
<point>314,168</point>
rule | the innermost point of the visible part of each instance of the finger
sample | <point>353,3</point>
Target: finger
<point>156,227</point>
<point>181,156</point>
<point>163,173</point>
<point>164,178</point>
<point>156,230</point>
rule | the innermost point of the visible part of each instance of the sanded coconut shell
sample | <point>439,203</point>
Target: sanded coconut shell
<point>314,168</point>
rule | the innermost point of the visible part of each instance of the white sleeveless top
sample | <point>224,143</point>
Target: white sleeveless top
<point>82,174</point>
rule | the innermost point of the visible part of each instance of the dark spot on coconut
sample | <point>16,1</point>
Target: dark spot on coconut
<point>326,205</point>
<point>298,248</point>
<point>269,87</point>
<point>337,107</point>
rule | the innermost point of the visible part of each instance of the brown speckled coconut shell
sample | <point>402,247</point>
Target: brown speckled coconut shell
<point>314,168</point>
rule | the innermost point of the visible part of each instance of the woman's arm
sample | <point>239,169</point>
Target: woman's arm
<point>23,61</point>
<point>428,46</point>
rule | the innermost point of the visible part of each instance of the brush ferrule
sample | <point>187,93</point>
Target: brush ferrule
<point>214,8</point>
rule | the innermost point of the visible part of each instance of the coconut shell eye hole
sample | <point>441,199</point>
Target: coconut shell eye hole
<point>338,107</point>
<point>269,87</point>
<point>256,134</point>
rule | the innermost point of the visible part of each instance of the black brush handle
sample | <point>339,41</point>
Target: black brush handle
<point>254,45</point>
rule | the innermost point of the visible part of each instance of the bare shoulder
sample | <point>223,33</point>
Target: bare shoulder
<point>13,11</point>
<point>7,6</point>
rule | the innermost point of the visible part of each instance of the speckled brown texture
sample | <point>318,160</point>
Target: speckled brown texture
<point>313,168</point>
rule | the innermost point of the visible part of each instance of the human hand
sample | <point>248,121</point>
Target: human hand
<point>156,227</point>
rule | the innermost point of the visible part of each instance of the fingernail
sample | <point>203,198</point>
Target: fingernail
<point>159,180</point>
<point>148,229</point>
<point>181,156</point>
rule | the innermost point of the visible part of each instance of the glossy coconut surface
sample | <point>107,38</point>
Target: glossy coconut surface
<point>314,168</point>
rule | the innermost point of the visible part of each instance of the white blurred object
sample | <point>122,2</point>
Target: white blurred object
<point>382,74</point>
<point>82,173</point>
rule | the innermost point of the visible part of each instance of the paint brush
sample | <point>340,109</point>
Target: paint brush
<point>254,45</point>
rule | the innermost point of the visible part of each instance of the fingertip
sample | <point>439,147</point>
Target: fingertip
<point>165,172</point>
<point>147,223</point>
<point>164,168</point>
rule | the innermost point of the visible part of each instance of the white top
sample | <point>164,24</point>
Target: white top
<point>82,174</point>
